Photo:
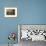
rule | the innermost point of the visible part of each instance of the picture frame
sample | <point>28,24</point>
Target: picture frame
<point>10,12</point>
<point>39,28</point>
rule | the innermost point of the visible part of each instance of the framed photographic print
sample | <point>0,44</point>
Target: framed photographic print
<point>31,32</point>
<point>10,12</point>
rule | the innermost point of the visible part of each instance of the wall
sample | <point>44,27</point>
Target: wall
<point>29,12</point>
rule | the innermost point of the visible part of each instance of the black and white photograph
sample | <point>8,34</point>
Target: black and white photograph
<point>30,34</point>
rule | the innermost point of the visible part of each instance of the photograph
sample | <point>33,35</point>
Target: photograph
<point>10,12</point>
<point>29,34</point>
<point>32,32</point>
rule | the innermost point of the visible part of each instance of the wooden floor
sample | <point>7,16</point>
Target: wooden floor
<point>9,45</point>
<point>30,43</point>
